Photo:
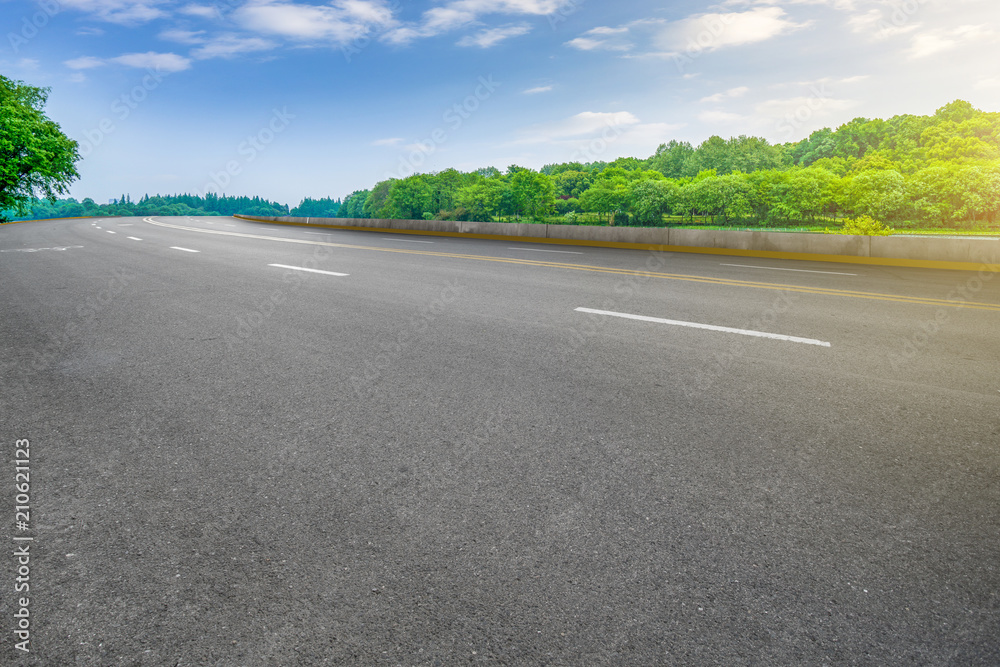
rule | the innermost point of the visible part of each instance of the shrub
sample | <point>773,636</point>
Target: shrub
<point>862,226</point>
<point>459,214</point>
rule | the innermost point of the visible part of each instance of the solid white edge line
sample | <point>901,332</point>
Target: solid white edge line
<point>709,327</point>
<point>302,268</point>
<point>564,252</point>
<point>177,247</point>
<point>775,268</point>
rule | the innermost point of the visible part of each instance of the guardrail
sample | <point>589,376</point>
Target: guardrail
<point>965,254</point>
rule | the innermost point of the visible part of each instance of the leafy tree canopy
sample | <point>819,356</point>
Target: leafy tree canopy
<point>36,158</point>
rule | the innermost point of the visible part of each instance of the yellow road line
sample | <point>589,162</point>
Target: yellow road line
<point>899,298</point>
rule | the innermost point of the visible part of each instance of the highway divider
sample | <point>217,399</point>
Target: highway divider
<point>962,254</point>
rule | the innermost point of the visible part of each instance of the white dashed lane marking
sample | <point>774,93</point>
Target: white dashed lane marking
<point>302,268</point>
<point>709,327</point>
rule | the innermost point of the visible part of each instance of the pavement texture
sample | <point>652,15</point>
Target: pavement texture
<point>437,460</point>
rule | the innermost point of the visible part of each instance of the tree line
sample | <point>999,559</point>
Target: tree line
<point>942,169</point>
<point>184,204</point>
<point>936,170</point>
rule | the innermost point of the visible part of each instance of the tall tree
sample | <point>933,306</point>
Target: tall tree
<point>36,158</point>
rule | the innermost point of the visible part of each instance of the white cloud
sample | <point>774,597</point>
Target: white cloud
<point>732,93</point>
<point>461,13</point>
<point>119,11</point>
<point>819,86</point>
<point>162,62</point>
<point>226,46</point>
<point>201,11</point>
<point>879,26</point>
<point>606,38</point>
<point>392,141</point>
<point>183,36</point>
<point>938,41</point>
<point>709,32</point>
<point>867,22</point>
<point>341,21</point>
<point>842,5</point>
<point>586,44</point>
<point>695,34</point>
<point>487,38</point>
<point>84,62</point>
<point>537,90</point>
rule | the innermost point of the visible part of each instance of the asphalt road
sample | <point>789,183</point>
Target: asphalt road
<point>427,455</point>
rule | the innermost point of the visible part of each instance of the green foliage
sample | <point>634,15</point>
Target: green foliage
<point>532,194</point>
<point>210,204</point>
<point>317,208</point>
<point>354,205</point>
<point>671,159</point>
<point>939,170</point>
<point>484,199</point>
<point>36,158</point>
<point>862,226</point>
<point>908,170</point>
<point>652,198</point>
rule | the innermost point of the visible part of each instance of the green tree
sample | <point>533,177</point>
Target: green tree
<point>409,198</point>
<point>484,198</point>
<point>571,183</point>
<point>375,203</point>
<point>354,205</point>
<point>36,158</point>
<point>729,197</point>
<point>876,193</point>
<point>610,194</point>
<point>671,159</point>
<point>652,198</point>
<point>532,194</point>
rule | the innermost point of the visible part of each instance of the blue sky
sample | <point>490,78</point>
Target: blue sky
<point>288,99</point>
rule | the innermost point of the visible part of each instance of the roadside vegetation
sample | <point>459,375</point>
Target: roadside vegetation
<point>907,174</point>
<point>916,173</point>
<point>210,204</point>
<point>36,158</point>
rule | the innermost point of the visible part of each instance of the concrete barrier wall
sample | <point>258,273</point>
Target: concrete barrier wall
<point>817,244</point>
<point>959,253</point>
<point>979,250</point>
<point>711,238</point>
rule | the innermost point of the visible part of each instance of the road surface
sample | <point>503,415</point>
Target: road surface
<point>265,445</point>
